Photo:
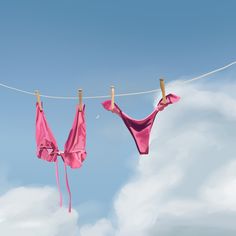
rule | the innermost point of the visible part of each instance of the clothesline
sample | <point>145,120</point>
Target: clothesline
<point>121,94</point>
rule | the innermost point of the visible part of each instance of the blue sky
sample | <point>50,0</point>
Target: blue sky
<point>60,46</point>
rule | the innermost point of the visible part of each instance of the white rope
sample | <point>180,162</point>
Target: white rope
<point>122,94</point>
<point>211,72</point>
<point>16,89</point>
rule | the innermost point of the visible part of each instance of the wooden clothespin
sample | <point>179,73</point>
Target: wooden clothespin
<point>162,85</point>
<point>37,94</point>
<point>112,97</point>
<point>80,94</point>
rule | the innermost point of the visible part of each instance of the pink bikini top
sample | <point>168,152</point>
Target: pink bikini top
<point>74,151</point>
<point>141,129</point>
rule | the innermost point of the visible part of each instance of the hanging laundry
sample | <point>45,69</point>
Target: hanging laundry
<point>74,150</point>
<point>141,129</point>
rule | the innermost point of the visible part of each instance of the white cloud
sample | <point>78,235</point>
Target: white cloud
<point>220,190</point>
<point>187,184</point>
<point>27,211</point>
<point>102,228</point>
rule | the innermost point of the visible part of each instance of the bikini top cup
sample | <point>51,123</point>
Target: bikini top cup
<point>74,150</point>
<point>141,129</point>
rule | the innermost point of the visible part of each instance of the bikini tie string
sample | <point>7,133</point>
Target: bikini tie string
<point>67,184</point>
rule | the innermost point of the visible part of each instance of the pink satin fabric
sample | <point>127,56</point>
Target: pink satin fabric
<point>74,150</point>
<point>141,129</point>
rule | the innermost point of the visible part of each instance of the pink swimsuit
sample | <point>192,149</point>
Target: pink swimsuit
<point>74,151</point>
<point>141,129</point>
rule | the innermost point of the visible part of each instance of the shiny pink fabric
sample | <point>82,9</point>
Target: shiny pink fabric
<point>74,150</point>
<point>141,129</point>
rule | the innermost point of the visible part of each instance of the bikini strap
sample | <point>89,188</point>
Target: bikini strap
<point>68,188</point>
<point>58,182</point>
